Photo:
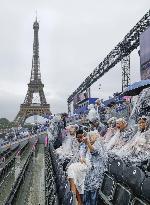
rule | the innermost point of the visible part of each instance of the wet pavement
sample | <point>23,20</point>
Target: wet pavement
<point>37,189</point>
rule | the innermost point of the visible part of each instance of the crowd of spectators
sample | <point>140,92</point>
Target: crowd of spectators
<point>85,144</point>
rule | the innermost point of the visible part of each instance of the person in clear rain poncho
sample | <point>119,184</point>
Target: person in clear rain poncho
<point>138,149</point>
<point>77,168</point>
<point>86,174</point>
<point>96,125</point>
<point>97,156</point>
<point>111,129</point>
<point>94,121</point>
<point>121,137</point>
<point>52,131</point>
<point>117,139</point>
<point>69,145</point>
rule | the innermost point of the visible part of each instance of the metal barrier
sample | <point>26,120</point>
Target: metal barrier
<point>62,186</point>
<point>50,186</point>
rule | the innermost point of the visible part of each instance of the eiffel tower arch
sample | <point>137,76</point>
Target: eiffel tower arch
<point>28,108</point>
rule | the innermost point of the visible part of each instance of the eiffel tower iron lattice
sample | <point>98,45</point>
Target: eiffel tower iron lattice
<point>28,108</point>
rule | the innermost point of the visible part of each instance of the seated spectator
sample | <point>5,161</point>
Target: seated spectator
<point>137,149</point>
<point>77,170</point>
<point>97,156</point>
<point>97,125</point>
<point>121,137</point>
<point>111,129</point>
<point>67,148</point>
<point>76,147</point>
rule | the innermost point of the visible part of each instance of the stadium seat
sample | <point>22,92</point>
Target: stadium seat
<point>116,169</point>
<point>122,196</point>
<point>137,201</point>
<point>145,188</point>
<point>133,177</point>
<point>108,188</point>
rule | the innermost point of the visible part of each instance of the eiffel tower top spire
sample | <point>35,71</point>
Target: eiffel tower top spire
<point>35,72</point>
<point>36,15</point>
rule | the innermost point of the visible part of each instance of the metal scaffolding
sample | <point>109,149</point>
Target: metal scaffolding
<point>119,53</point>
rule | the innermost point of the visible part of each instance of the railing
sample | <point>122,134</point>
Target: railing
<point>62,186</point>
<point>50,186</point>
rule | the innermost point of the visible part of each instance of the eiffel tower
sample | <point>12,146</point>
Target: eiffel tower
<point>28,108</point>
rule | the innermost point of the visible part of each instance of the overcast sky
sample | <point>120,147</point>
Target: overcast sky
<point>74,36</point>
